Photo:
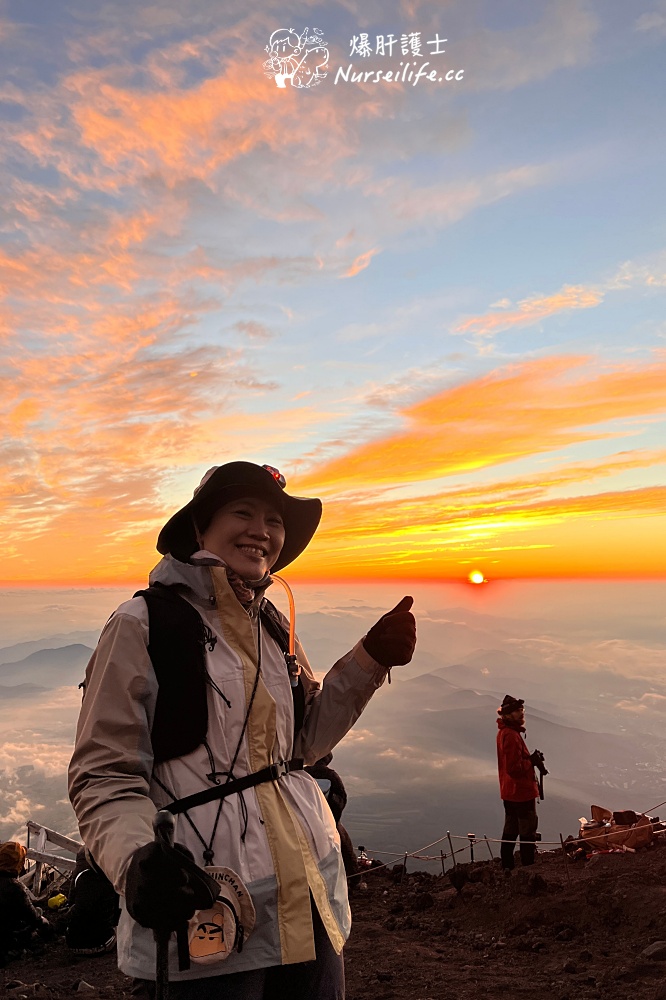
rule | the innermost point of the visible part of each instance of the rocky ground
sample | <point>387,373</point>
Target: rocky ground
<point>594,929</point>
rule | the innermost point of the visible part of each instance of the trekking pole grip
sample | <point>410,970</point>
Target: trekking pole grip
<point>164,826</point>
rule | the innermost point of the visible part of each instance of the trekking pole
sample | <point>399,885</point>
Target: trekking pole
<point>453,853</point>
<point>485,837</point>
<point>163,827</point>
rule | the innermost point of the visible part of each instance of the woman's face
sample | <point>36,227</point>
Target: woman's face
<point>248,534</point>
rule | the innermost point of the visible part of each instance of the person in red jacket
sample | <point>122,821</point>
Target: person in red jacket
<point>518,786</point>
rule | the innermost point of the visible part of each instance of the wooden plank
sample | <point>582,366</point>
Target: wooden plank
<point>53,837</point>
<point>53,860</point>
<point>41,845</point>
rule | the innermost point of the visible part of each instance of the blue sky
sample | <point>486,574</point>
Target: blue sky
<point>199,266</point>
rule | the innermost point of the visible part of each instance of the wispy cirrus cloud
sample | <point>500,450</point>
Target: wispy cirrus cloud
<point>389,509</point>
<point>360,263</point>
<point>436,537</point>
<point>503,59</point>
<point>104,289</point>
<point>523,409</point>
<point>653,21</point>
<point>529,311</point>
<point>158,195</point>
<point>505,315</point>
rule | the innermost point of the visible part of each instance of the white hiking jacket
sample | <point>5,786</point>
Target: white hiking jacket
<point>283,843</point>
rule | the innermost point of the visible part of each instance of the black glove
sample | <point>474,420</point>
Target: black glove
<point>392,639</point>
<point>164,887</point>
<point>45,929</point>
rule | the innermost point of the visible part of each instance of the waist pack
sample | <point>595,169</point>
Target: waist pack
<point>214,933</point>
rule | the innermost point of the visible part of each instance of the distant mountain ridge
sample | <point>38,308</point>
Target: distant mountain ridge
<point>48,667</point>
<point>20,690</point>
<point>18,651</point>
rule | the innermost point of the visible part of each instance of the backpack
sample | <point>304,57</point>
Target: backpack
<point>177,642</point>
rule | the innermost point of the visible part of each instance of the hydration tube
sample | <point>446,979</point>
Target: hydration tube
<point>293,665</point>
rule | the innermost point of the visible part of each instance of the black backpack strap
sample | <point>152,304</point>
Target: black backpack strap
<point>270,773</point>
<point>176,646</point>
<point>273,623</point>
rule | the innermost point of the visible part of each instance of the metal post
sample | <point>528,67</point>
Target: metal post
<point>404,868</point>
<point>455,863</point>
<point>566,860</point>
<point>485,837</point>
<point>471,837</point>
<point>441,854</point>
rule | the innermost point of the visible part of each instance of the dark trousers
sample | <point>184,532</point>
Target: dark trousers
<point>323,979</point>
<point>520,819</point>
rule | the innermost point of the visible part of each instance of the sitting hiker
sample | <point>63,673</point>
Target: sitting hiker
<point>336,796</point>
<point>94,910</point>
<point>21,924</point>
<point>518,786</point>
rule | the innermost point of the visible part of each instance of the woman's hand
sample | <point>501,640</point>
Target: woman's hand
<point>392,639</point>
<point>164,887</point>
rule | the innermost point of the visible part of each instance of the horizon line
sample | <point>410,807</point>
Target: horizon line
<point>41,584</point>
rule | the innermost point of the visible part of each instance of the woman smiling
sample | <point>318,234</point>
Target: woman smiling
<point>193,693</point>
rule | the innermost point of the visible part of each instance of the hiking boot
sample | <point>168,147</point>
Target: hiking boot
<point>98,949</point>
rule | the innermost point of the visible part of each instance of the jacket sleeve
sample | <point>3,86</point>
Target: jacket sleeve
<point>332,708</point>
<point>516,758</point>
<point>110,770</point>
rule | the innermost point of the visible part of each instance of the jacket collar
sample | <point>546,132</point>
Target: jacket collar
<point>194,578</point>
<point>517,728</point>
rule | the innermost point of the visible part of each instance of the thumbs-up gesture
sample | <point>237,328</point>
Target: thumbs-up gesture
<point>392,639</point>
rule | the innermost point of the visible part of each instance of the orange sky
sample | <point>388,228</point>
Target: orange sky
<point>199,267</point>
<point>444,492</point>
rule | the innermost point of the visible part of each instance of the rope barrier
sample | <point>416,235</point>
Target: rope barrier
<point>420,856</point>
<point>647,811</point>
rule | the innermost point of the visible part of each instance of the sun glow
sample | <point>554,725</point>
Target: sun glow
<point>476,576</point>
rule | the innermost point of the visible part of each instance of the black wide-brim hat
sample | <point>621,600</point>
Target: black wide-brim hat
<point>224,483</point>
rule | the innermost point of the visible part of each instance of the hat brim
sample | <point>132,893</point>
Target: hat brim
<point>509,708</point>
<point>301,515</point>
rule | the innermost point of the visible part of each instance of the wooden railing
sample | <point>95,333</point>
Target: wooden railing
<point>42,857</point>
